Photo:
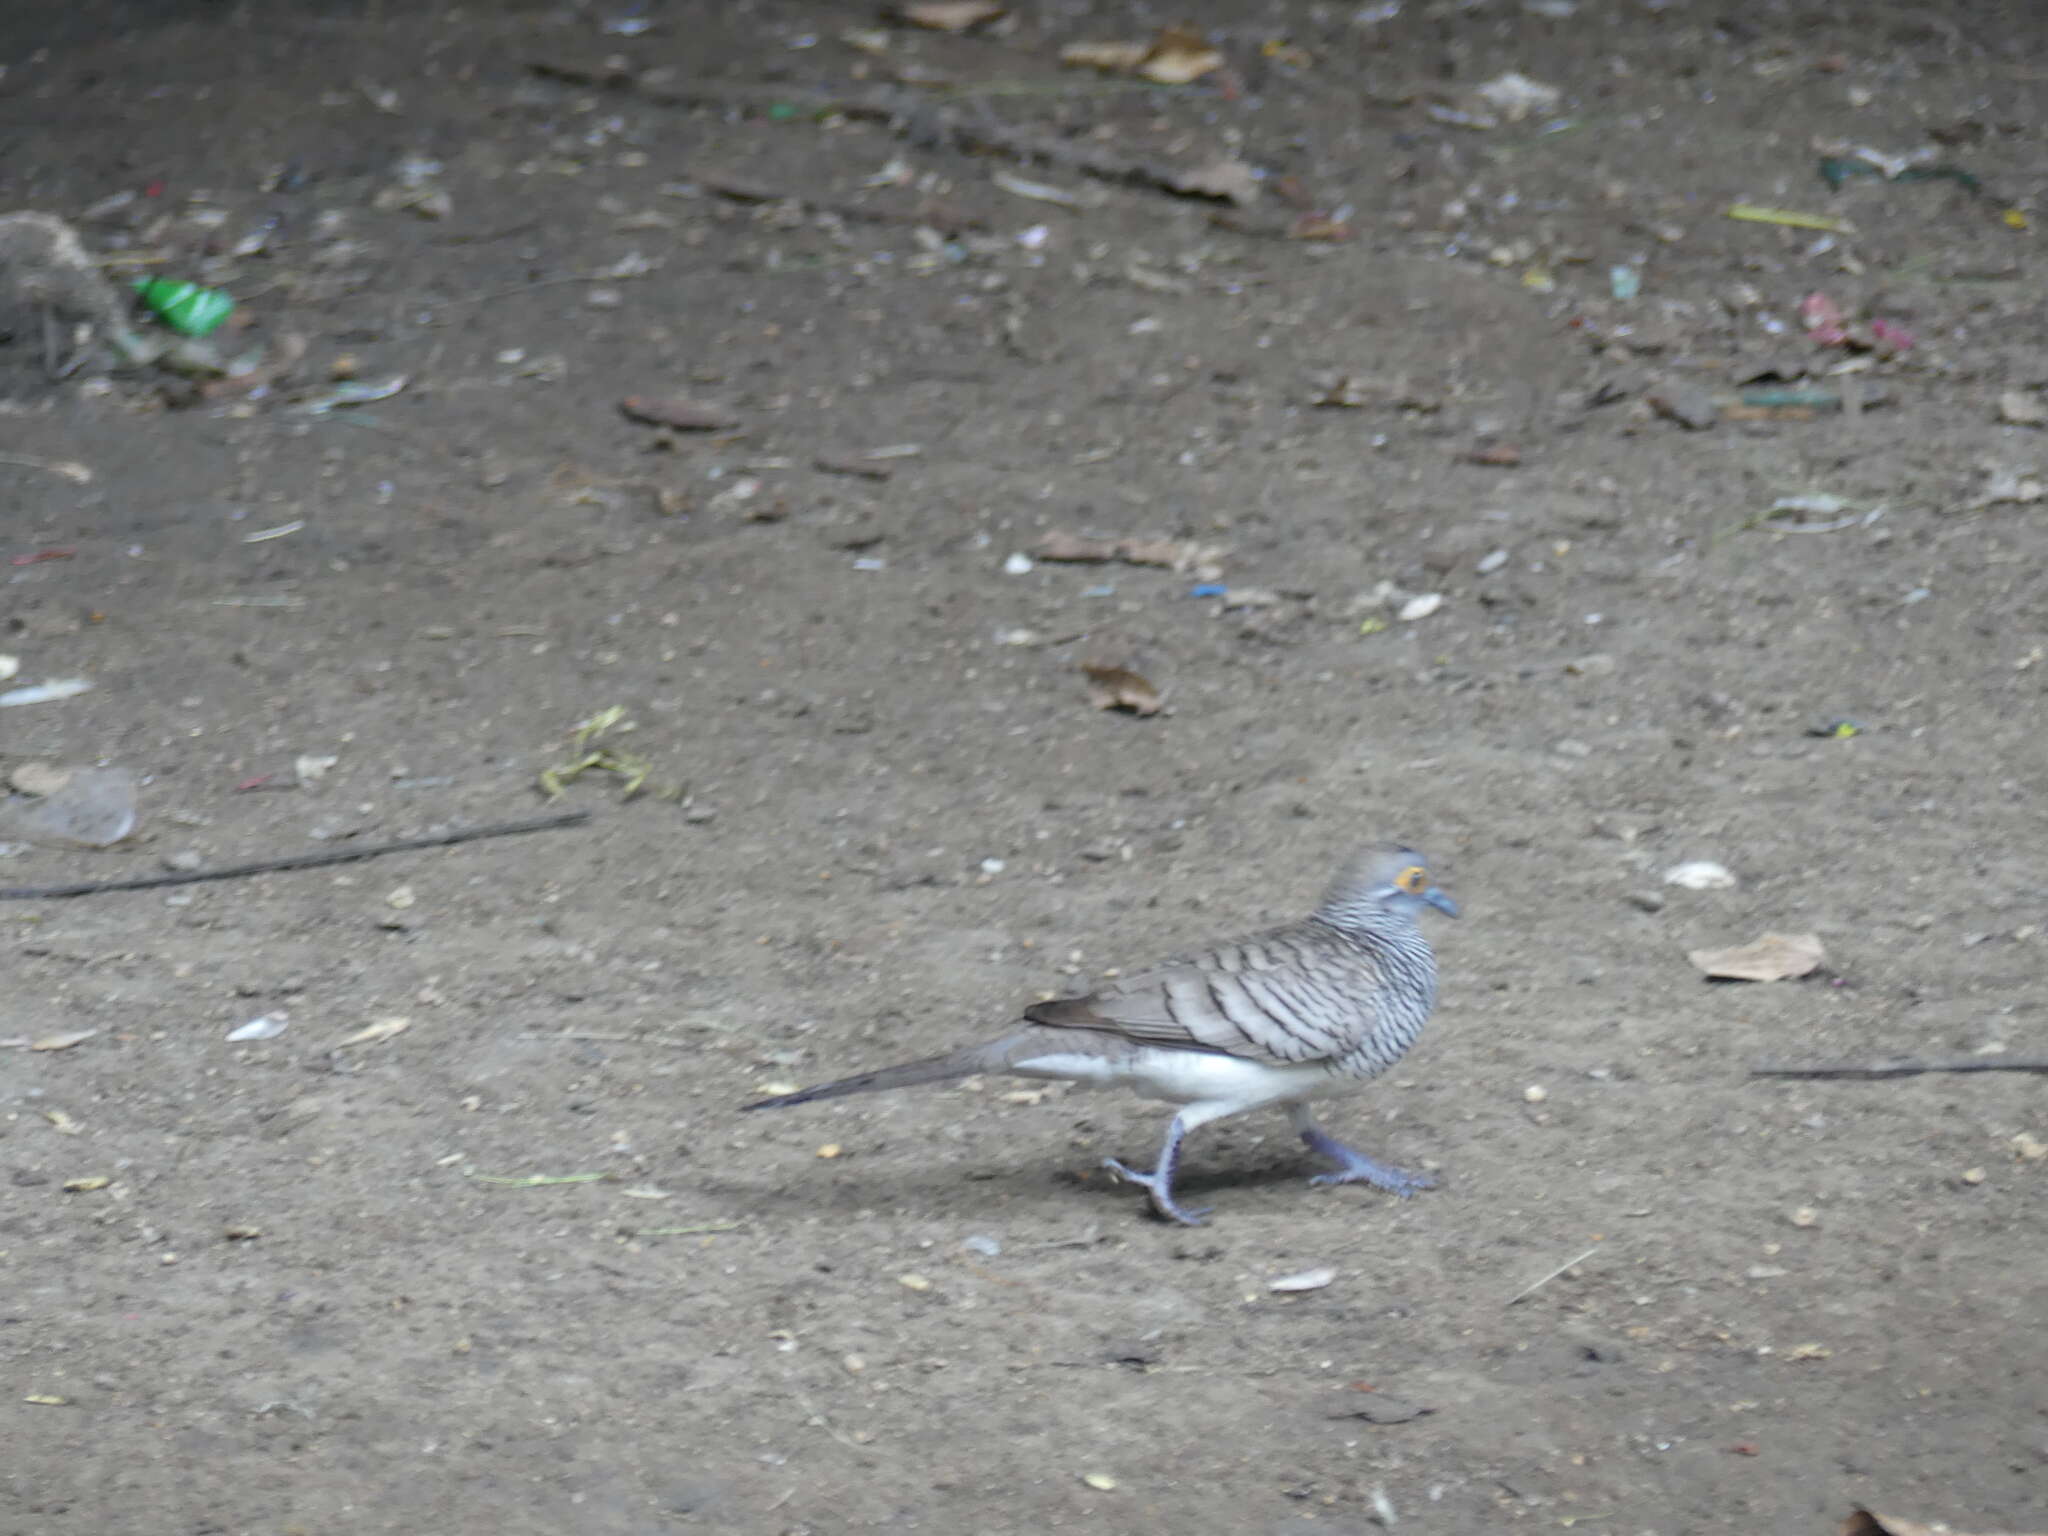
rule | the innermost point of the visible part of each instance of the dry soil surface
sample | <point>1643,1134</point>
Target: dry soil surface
<point>523,1268</point>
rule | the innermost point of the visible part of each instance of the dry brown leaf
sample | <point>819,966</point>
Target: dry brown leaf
<point>1229,180</point>
<point>679,414</point>
<point>383,1029</point>
<point>62,1042</point>
<point>950,15</point>
<point>1774,957</point>
<point>1177,56</point>
<point>1867,1522</point>
<point>1112,58</point>
<point>1120,688</point>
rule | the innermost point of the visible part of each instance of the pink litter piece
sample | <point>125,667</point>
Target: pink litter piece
<point>1890,335</point>
<point>1823,319</point>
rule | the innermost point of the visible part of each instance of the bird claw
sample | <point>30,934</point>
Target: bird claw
<point>1161,1193</point>
<point>1395,1181</point>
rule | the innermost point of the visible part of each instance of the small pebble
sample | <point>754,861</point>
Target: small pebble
<point>1019,565</point>
<point>1805,1216</point>
<point>1974,1175</point>
<point>914,1282</point>
<point>1102,1482</point>
<point>183,861</point>
<point>987,1247</point>
<point>1700,875</point>
<point>1492,562</point>
<point>1535,1093</point>
<point>830,1150</point>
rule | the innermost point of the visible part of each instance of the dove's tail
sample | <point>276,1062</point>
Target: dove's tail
<point>933,1069</point>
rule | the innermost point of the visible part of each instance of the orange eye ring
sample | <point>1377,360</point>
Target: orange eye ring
<point>1414,880</point>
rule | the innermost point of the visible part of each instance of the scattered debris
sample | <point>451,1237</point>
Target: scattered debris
<point>293,861</point>
<point>1307,1280</point>
<point>63,1041</point>
<point>1866,1522</point>
<point>1686,403</point>
<point>1773,957</point>
<point>1181,555</point>
<point>950,15</point>
<point>2022,408</point>
<point>1177,56</point>
<point>678,414</point>
<point>69,807</point>
<point>1038,191</point>
<point>186,308</point>
<point>537,1180</point>
<point>1751,213</point>
<point>634,769</point>
<point>267,1026</point>
<point>87,1185</point>
<point>1101,1482</point>
<point>1515,97</point>
<point>353,392</point>
<point>1230,181</point>
<point>1536,1285</point>
<point>1908,1069</point>
<point>1380,1408</point>
<point>1700,875</point>
<point>45,693</point>
<point>1121,688</point>
<point>2003,484</point>
<point>376,1033</point>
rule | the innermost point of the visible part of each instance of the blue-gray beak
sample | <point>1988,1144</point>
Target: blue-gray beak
<point>1440,901</point>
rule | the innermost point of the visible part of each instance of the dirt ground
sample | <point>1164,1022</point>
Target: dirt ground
<point>311,1294</point>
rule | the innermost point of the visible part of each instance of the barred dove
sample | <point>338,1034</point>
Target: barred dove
<point>1282,1017</point>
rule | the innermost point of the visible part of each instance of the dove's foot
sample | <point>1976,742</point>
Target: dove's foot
<point>1159,1182</point>
<point>1354,1167</point>
<point>1161,1191</point>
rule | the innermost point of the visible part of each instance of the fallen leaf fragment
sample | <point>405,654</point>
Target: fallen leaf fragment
<point>62,1042</point>
<point>63,1123</point>
<point>1111,58</point>
<point>1774,957</point>
<point>950,15</point>
<point>1101,1482</point>
<point>914,1282</point>
<point>1307,1280</point>
<point>1178,56</point>
<point>1121,688</point>
<point>1227,180</point>
<point>46,1400</point>
<point>87,1185</point>
<point>1175,554</point>
<point>680,414</point>
<point>371,1034</point>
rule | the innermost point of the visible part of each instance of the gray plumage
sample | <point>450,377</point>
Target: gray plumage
<point>1281,1017</point>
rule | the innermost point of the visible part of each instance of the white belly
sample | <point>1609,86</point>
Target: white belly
<point>1191,1077</point>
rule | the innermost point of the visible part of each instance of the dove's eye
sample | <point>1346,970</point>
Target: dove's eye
<point>1414,880</point>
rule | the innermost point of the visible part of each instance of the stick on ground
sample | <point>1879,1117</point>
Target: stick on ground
<point>294,861</point>
<point>1905,1068</point>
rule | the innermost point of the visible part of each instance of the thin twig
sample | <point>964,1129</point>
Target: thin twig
<point>1905,1068</point>
<point>1530,1290</point>
<point>294,861</point>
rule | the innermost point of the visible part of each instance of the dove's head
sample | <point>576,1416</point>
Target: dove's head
<point>1382,879</point>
